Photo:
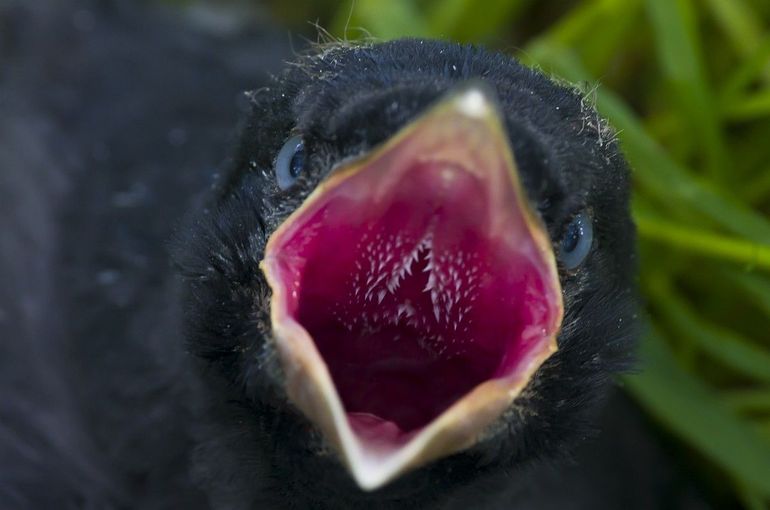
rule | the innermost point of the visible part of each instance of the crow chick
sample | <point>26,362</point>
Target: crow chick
<point>504,262</point>
<point>368,184</point>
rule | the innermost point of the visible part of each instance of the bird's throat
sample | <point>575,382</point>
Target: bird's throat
<point>411,305</point>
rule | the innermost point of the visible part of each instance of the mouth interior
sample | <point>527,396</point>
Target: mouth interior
<point>410,296</point>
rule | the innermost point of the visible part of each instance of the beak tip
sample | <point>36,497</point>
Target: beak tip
<point>476,101</point>
<point>368,476</point>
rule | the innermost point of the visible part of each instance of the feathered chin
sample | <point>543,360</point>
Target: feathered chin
<point>415,292</point>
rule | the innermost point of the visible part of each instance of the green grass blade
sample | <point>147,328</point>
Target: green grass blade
<point>692,412</point>
<point>756,286</point>
<point>577,30</point>
<point>758,189</point>
<point>389,19</point>
<point>722,345</point>
<point>750,107</point>
<point>703,242</point>
<point>574,26</point>
<point>680,57</point>
<point>599,47</point>
<point>739,22</point>
<point>747,401</point>
<point>746,72</point>
<point>654,169</point>
<point>470,20</point>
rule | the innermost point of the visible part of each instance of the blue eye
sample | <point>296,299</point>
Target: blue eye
<point>290,162</point>
<point>577,241</point>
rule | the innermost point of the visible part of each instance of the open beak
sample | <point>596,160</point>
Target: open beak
<point>415,292</point>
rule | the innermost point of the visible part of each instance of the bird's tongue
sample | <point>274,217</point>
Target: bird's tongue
<point>414,293</point>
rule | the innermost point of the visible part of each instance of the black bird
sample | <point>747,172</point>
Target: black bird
<point>375,293</point>
<point>409,286</point>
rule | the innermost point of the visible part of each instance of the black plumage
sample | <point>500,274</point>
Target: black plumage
<point>124,385</point>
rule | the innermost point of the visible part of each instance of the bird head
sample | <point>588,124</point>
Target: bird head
<point>420,261</point>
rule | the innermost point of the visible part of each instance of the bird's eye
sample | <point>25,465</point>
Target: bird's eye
<point>290,162</point>
<point>577,241</point>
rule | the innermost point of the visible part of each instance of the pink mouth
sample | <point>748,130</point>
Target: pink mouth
<point>419,275</point>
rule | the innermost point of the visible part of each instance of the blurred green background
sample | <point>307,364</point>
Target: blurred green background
<point>687,85</point>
